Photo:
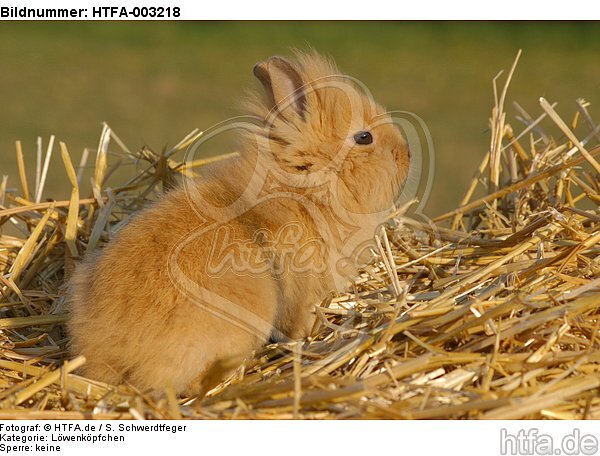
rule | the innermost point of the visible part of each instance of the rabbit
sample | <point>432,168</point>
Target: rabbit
<point>207,274</point>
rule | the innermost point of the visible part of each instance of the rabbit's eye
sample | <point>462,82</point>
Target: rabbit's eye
<point>363,137</point>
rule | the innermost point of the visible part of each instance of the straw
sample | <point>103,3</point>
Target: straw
<point>492,311</point>
<point>73,215</point>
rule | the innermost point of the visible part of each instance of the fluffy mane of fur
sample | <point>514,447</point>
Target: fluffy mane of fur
<point>311,128</point>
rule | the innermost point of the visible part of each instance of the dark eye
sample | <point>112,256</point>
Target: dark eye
<point>363,137</point>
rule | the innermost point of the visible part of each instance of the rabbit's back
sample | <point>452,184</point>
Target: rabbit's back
<point>134,321</point>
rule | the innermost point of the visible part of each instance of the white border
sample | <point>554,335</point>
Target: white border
<point>346,9</point>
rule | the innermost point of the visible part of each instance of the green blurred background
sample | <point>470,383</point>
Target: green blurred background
<point>155,82</point>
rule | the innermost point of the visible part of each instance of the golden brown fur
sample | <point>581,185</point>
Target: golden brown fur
<point>161,304</point>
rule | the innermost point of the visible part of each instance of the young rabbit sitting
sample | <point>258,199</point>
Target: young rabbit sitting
<point>216,267</point>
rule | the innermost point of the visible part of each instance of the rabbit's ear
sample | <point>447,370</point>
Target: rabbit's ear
<point>281,80</point>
